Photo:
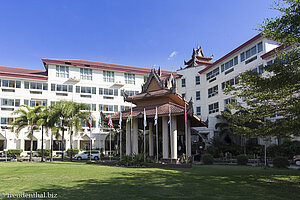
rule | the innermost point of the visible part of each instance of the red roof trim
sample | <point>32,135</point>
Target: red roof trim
<point>270,53</point>
<point>23,73</point>
<point>233,52</point>
<point>106,66</point>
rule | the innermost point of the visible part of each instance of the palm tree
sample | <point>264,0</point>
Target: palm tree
<point>71,116</point>
<point>76,117</point>
<point>28,117</point>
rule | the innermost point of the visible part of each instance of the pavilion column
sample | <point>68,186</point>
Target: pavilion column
<point>128,140</point>
<point>174,137</point>
<point>189,142</point>
<point>135,147</point>
<point>165,138</point>
<point>151,149</point>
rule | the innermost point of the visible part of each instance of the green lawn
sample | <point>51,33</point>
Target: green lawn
<point>81,181</point>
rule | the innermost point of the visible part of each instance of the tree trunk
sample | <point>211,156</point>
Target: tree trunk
<point>71,146</point>
<point>51,146</point>
<point>62,141</point>
<point>31,145</point>
<point>42,160</point>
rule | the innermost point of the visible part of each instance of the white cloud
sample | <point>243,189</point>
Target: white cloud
<point>174,53</point>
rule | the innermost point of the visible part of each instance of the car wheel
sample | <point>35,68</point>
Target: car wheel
<point>78,158</point>
<point>96,158</point>
<point>298,162</point>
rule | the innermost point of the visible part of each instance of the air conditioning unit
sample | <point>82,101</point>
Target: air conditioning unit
<point>74,78</point>
<point>119,83</point>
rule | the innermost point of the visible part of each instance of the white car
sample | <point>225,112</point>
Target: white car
<point>86,155</point>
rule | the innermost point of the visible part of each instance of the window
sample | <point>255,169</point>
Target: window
<point>230,82</point>
<point>86,74</point>
<point>183,82</point>
<point>85,90</point>
<point>10,102</point>
<point>61,88</point>
<point>229,64</point>
<point>259,47</point>
<point>197,80</point>
<point>62,71</point>
<point>129,92</point>
<point>258,69</point>
<point>108,76</point>
<point>212,91</point>
<point>129,78</point>
<point>198,111</point>
<point>107,91</point>
<point>213,73</point>
<point>35,85</point>
<point>10,83</point>
<point>270,62</point>
<point>231,100</point>
<point>124,108</point>
<point>91,107</point>
<point>183,95</point>
<point>251,51</point>
<point>7,120</point>
<point>108,108</point>
<point>214,107</point>
<point>34,103</point>
<point>197,95</point>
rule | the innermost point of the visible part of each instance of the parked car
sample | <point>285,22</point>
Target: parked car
<point>86,155</point>
<point>296,160</point>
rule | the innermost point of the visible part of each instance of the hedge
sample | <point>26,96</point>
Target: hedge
<point>280,162</point>
<point>74,152</point>
<point>47,152</point>
<point>11,152</point>
<point>207,159</point>
<point>242,160</point>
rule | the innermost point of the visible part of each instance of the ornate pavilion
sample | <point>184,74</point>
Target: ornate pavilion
<point>159,92</point>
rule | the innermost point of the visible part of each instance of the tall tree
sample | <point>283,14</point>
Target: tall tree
<point>276,93</point>
<point>77,113</point>
<point>27,118</point>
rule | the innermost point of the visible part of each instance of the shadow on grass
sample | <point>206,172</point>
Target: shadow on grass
<point>199,183</point>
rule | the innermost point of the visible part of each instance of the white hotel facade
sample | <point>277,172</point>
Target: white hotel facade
<point>101,85</point>
<point>203,80</point>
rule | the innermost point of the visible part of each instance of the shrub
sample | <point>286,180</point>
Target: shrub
<point>242,160</point>
<point>207,159</point>
<point>74,152</point>
<point>280,162</point>
<point>11,152</point>
<point>46,152</point>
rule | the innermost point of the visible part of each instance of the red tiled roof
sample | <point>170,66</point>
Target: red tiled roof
<point>162,110</point>
<point>23,73</point>
<point>100,65</point>
<point>257,37</point>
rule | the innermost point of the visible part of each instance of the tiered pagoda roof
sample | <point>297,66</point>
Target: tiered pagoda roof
<point>198,58</point>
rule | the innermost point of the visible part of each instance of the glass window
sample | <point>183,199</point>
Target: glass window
<point>212,91</point>
<point>86,74</point>
<point>183,95</point>
<point>213,73</point>
<point>198,111</point>
<point>4,83</point>
<point>259,47</point>
<point>197,80</point>
<point>26,85</point>
<point>243,56</point>
<point>212,108</point>
<point>183,82</point>
<point>62,71</point>
<point>129,78</point>
<point>115,92</point>
<point>108,76</point>
<point>197,95</point>
<point>101,91</point>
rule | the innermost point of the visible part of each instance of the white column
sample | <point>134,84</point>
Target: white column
<point>174,138</point>
<point>128,138</point>
<point>135,147</point>
<point>189,148</point>
<point>165,138</point>
<point>151,149</point>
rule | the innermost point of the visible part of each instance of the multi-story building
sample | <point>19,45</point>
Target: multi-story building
<point>100,85</point>
<point>203,80</point>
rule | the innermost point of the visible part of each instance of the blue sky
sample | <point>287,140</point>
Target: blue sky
<point>132,32</point>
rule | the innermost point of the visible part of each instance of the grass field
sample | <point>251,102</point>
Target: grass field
<point>81,181</point>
